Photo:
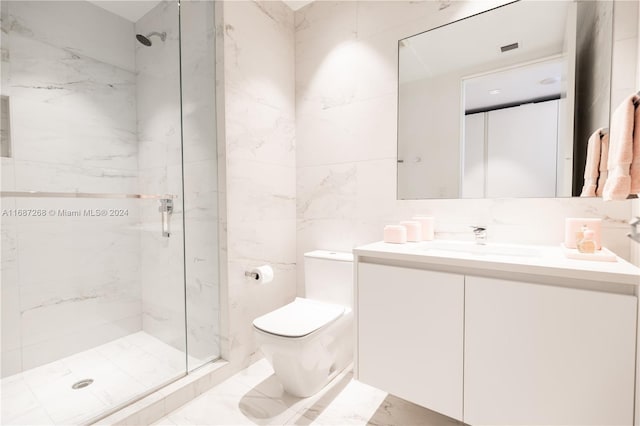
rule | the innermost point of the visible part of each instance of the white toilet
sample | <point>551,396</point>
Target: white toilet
<point>310,340</point>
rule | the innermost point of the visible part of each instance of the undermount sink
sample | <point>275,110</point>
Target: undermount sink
<point>471,247</point>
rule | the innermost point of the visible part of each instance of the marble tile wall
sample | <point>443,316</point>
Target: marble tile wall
<point>68,282</point>
<point>346,99</point>
<point>259,164</point>
<point>593,76</point>
<point>625,51</point>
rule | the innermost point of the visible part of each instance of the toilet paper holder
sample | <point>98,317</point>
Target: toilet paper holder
<point>254,275</point>
<point>260,274</point>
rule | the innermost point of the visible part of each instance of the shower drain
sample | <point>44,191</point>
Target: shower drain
<point>82,384</point>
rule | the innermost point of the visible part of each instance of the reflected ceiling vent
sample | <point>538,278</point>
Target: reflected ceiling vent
<point>509,47</point>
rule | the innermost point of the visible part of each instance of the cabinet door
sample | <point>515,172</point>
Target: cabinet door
<point>547,355</point>
<point>410,335</point>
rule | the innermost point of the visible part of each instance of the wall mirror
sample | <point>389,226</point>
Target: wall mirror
<point>493,106</point>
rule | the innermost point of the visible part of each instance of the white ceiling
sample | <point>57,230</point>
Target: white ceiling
<point>297,4</point>
<point>474,43</point>
<point>129,10</point>
<point>134,10</point>
<point>515,85</point>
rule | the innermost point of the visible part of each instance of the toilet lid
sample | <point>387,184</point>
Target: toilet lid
<point>298,318</point>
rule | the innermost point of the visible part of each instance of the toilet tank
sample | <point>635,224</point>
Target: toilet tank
<point>328,277</point>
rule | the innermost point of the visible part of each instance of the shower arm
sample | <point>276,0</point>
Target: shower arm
<point>163,35</point>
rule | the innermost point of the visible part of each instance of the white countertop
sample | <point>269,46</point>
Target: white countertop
<point>548,261</point>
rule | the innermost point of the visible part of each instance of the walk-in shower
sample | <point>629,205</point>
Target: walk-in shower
<point>109,204</point>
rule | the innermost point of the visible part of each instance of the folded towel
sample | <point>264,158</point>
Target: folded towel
<point>618,185</point>
<point>592,166</point>
<point>604,158</point>
<point>634,171</point>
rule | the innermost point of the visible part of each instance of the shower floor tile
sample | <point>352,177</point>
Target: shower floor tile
<point>255,397</point>
<point>120,369</point>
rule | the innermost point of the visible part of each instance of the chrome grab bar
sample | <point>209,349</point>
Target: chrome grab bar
<point>42,194</point>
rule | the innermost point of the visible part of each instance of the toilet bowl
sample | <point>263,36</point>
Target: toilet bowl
<point>310,341</point>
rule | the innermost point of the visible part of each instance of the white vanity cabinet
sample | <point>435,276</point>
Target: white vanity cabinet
<point>410,334</point>
<point>547,355</point>
<point>496,339</point>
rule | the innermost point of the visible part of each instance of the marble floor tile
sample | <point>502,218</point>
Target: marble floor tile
<point>37,416</point>
<point>17,399</point>
<point>121,370</point>
<point>230,403</point>
<point>255,397</point>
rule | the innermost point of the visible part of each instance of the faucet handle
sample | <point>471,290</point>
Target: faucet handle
<point>481,234</point>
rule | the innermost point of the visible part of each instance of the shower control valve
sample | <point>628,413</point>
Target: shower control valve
<point>166,209</point>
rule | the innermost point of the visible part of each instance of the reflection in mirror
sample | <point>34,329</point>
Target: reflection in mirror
<point>486,104</point>
<point>5,129</point>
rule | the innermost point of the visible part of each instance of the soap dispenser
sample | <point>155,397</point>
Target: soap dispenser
<point>587,244</point>
<point>580,234</point>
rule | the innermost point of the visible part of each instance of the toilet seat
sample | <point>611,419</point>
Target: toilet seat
<point>299,318</point>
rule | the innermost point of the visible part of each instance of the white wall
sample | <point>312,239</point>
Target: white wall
<point>259,158</point>
<point>68,283</point>
<point>346,97</point>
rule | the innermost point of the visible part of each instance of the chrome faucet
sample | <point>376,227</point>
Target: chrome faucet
<point>481,234</point>
<point>635,232</point>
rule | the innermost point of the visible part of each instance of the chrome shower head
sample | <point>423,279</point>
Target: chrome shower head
<point>146,39</point>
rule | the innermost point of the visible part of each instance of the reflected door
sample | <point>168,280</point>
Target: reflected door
<point>521,151</point>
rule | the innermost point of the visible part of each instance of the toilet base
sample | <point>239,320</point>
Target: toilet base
<point>305,365</point>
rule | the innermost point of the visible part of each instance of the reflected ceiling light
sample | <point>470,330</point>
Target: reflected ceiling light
<point>549,80</point>
<point>494,91</point>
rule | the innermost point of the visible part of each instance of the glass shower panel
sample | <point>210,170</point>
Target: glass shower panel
<point>200,179</point>
<point>93,302</point>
